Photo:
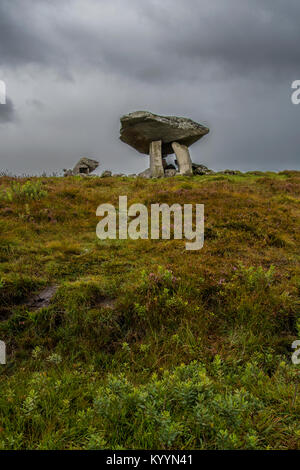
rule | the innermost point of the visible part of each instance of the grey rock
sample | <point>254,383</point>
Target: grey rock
<point>68,172</point>
<point>106,174</point>
<point>119,175</point>
<point>156,160</point>
<point>141,128</point>
<point>145,174</point>
<point>85,166</point>
<point>184,159</point>
<point>132,176</point>
<point>170,173</point>
<point>201,169</point>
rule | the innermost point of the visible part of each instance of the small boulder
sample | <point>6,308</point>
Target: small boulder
<point>170,173</point>
<point>201,169</point>
<point>68,172</point>
<point>85,166</point>
<point>145,174</point>
<point>106,174</point>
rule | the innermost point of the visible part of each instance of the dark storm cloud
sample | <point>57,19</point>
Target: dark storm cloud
<point>183,40</point>
<point>7,112</point>
<point>19,43</point>
<point>228,64</point>
<point>153,40</point>
<point>238,38</point>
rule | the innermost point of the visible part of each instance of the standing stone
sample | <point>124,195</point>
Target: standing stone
<point>183,158</point>
<point>156,164</point>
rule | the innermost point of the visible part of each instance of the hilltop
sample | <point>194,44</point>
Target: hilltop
<point>142,344</point>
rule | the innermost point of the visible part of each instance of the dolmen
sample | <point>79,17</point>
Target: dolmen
<point>160,136</point>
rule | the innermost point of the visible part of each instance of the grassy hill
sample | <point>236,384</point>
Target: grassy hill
<point>144,344</point>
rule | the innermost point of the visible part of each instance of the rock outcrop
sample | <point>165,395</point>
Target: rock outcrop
<point>85,166</point>
<point>201,169</point>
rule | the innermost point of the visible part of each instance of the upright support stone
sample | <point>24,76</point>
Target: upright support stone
<point>156,165</point>
<point>183,158</point>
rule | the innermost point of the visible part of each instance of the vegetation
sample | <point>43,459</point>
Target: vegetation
<point>21,192</point>
<point>144,344</point>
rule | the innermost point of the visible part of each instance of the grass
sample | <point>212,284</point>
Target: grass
<point>146,345</point>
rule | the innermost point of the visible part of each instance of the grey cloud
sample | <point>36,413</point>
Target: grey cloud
<point>227,64</point>
<point>7,112</point>
<point>37,104</point>
<point>18,41</point>
<point>27,34</point>
<point>152,41</point>
<point>170,41</point>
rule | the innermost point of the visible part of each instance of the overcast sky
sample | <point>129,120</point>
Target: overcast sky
<point>73,67</point>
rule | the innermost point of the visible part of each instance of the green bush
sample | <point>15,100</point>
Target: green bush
<point>184,407</point>
<point>22,192</point>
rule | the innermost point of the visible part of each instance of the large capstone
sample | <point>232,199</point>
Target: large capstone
<point>141,128</point>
